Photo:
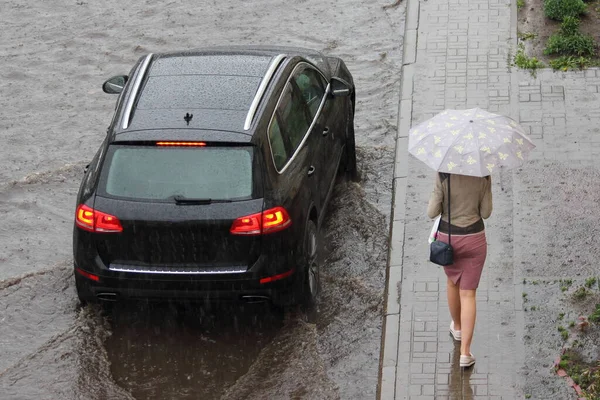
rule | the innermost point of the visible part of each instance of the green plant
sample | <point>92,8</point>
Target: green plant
<point>527,396</point>
<point>561,316</point>
<point>590,282</point>
<point>559,9</point>
<point>570,26</point>
<point>527,36</point>
<point>522,61</point>
<point>595,315</point>
<point>533,308</point>
<point>520,4</point>
<point>577,45</point>
<point>580,294</point>
<point>566,63</point>
<point>572,324</point>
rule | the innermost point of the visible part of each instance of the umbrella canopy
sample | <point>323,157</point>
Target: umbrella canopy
<point>469,142</point>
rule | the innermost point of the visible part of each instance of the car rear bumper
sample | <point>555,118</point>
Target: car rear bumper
<point>207,288</point>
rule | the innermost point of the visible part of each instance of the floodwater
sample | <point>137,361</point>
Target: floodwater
<point>55,56</point>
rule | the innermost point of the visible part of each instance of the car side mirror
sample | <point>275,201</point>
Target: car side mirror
<point>340,87</point>
<point>115,84</point>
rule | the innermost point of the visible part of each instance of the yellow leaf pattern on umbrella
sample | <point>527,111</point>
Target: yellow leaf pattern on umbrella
<point>513,124</point>
<point>437,139</point>
<point>480,115</point>
<point>491,122</point>
<point>502,156</point>
<point>460,149</point>
<point>415,132</point>
<point>449,125</point>
<point>430,125</point>
<point>520,141</point>
<point>438,154</point>
<point>490,167</point>
<point>421,151</point>
<point>520,155</point>
<point>422,136</point>
<point>482,135</point>
<point>455,132</point>
<point>453,118</point>
<point>507,140</point>
<point>471,160</point>
<point>486,149</point>
<point>492,130</point>
<point>451,165</point>
<point>469,136</point>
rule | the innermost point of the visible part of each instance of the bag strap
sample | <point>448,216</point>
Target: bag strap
<point>443,177</point>
<point>449,219</point>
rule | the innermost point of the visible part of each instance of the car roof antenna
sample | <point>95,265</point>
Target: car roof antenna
<point>188,117</point>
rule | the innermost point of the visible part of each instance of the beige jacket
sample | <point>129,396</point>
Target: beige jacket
<point>471,199</point>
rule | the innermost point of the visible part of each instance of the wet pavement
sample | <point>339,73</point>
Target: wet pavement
<point>458,55</point>
<point>54,60</point>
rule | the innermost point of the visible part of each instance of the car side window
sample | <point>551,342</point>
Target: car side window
<point>278,148</point>
<point>311,85</point>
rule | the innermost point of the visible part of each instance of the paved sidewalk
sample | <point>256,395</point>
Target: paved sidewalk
<point>457,54</point>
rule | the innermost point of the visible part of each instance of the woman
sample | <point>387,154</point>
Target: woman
<point>471,200</point>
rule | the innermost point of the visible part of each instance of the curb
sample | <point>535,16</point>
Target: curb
<point>391,324</point>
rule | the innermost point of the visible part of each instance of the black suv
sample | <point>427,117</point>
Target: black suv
<point>214,177</point>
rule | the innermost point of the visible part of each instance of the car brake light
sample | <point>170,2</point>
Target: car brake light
<point>96,221</point>
<point>189,144</point>
<point>269,221</point>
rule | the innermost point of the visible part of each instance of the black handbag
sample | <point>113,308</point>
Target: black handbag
<point>439,252</point>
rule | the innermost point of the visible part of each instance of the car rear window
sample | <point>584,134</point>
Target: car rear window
<point>159,173</point>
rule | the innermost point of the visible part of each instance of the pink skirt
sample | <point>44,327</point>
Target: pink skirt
<point>470,252</point>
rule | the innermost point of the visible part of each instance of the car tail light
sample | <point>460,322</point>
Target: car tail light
<point>277,277</point>
<point>96,221</point>
<point>86,274</point>
<point>189,144</point>
<point>269,221</point>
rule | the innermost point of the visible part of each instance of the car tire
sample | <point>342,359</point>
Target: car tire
<point>84,293</point>
<point>310,278</point>
<point>349,158</point>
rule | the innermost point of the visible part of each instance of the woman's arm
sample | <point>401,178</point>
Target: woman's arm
<point>485,203</point>
<point>435,200</point>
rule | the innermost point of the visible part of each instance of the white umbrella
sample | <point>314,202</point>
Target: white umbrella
<point>469,142</point>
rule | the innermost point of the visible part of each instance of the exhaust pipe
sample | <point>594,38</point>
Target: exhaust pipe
<point>251,299</point>
<point>107,296</point>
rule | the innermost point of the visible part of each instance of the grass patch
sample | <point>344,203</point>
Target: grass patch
<point>526,36</point>
<point>569,41</point>
<point>595,315</point>
<point>522,61</point>
<point>590,282</point>
<point>587,376</point>
<point>559,9</point>
<point>520,4</point>
<point>580,294</point>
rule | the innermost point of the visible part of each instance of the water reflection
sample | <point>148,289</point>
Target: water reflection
<point>170,350</point>
<point>460,385</point>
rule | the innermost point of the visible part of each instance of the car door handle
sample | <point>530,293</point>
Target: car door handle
<point>326,131</point>
<point>311,170</point>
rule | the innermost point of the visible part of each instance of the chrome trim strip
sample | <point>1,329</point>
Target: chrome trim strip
<point>261,90</point>
<point>237,270</point>
<point>134,91</point>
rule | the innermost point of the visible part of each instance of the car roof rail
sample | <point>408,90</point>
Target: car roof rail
<point>261,89</point>
<point>134,90</point>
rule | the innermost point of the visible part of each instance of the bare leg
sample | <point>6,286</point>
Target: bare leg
<point>454,303</point>
<point>467,319</point>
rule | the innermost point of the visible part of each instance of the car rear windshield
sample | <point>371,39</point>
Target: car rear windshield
<point>160,173</point>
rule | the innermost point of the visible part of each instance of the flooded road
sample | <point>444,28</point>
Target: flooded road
<point>55,56</point>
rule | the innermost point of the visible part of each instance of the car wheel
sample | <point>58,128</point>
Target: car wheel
<point>349,159</point>
<point>310,283</point>
<point>84,293</point>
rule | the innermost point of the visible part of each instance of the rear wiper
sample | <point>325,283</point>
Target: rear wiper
<point>185,200</point>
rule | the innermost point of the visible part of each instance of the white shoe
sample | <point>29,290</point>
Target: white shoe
<point>455,334</point>
<point>466,361</point>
